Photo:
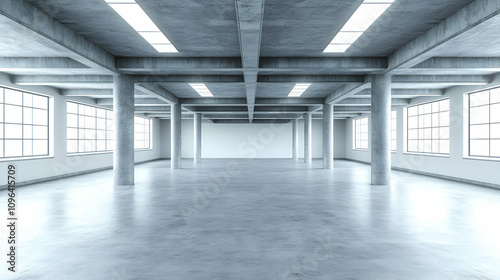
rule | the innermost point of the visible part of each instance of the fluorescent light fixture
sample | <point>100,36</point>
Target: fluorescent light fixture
<point>337,48</point>
<point>298,90</point>
<point>202,90</point>
<point>165,48</point>
<point>379,1</point>
<point>121,1</point>
<point>155,37</point>
<point>134,15</point>
<point>366,14</point>
<point>344,37</point>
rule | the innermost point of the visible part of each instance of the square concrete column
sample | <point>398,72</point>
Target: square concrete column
<point>307,138</point>
<point>381,130</point>
<point>175,134</point>
<point>295,139</point>
<point>327,136</point>
<point>123,108</point>
<point>197,137</point>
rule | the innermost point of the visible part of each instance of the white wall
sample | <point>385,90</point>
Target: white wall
<point>59,164</point>
<point>246,140</point>
<point>251,140</point>
<point>456,165</point>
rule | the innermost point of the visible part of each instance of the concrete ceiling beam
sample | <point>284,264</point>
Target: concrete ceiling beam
<point>231,121</point>
<point>217,109</point>
<point>144,79</point>
<point>189,79</point>
<point>461,63</point>
<point>145,109</point>
<point>451,80</point>
<point>225,116</point>
<point>311,79</point>
<point>242,110</point>
<point>96,93</point>
<point>258,101</point>
<point>282,109</point>
<point>263,121</point>
<point>151,109</point>
<point>213,101</point>
<point>250,18</point>
<point>160,64</point>
<point>368,101</point>
<point>346,115</point>
<point>469,19</point>
<point>352,109</point>
<point>137,102</point>
<point>158,92</point>
<point>358,64</point>
<point>50,80</point>
<point>259,115</point>
<point>346,91</point>
<point>102,93</point>
<point>164,115</point>
<point>40,63</point>
<point>40,27</point>
<point>404,93</point>
<point>289,101</point>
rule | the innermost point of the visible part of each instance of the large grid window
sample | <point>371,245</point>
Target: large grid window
<point>484,123</point>
<point>24,124</point>
<point>361,134</point>
<point>90,129</point>
<point>394,134</point>
<point>429,128</point>
<point>142,135</point>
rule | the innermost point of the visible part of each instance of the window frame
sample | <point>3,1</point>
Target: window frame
<point>108,129</point>
<point>419,115</point>
<point>469,125</point>
<point>149,133</point>
<point>355,134</point>
<point>394,129</point>
<point>95,129</point>
<point>47,108</point>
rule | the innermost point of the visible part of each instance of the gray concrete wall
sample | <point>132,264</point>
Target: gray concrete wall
<point>165,138</point>
<point>58,163</point>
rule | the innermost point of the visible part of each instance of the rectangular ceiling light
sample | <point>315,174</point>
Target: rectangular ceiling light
<point>202,90</point>
<point>360,21</point>
<point>134,15</point>
<point>298,90</point>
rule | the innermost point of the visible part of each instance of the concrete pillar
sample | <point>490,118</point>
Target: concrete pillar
<point>307,138</point>
<point>123,107</point>
<point>197,137</point>
<point>295,139</point>
<point>381,130</point>
<point>327,136</point>
<point>175,135</point>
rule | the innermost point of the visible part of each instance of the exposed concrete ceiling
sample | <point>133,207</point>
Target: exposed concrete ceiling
<point>250,53</point>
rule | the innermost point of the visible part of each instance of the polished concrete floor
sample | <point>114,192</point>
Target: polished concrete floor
<point>256,219</point>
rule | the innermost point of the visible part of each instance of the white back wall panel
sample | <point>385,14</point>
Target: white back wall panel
<point>251,140</point>
<point>246,140</point>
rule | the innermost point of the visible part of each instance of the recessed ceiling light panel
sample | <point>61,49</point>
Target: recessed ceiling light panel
<point>366,14</point>
<point>298,90</point>
<point>202,90</point>
<point>134,15</point>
